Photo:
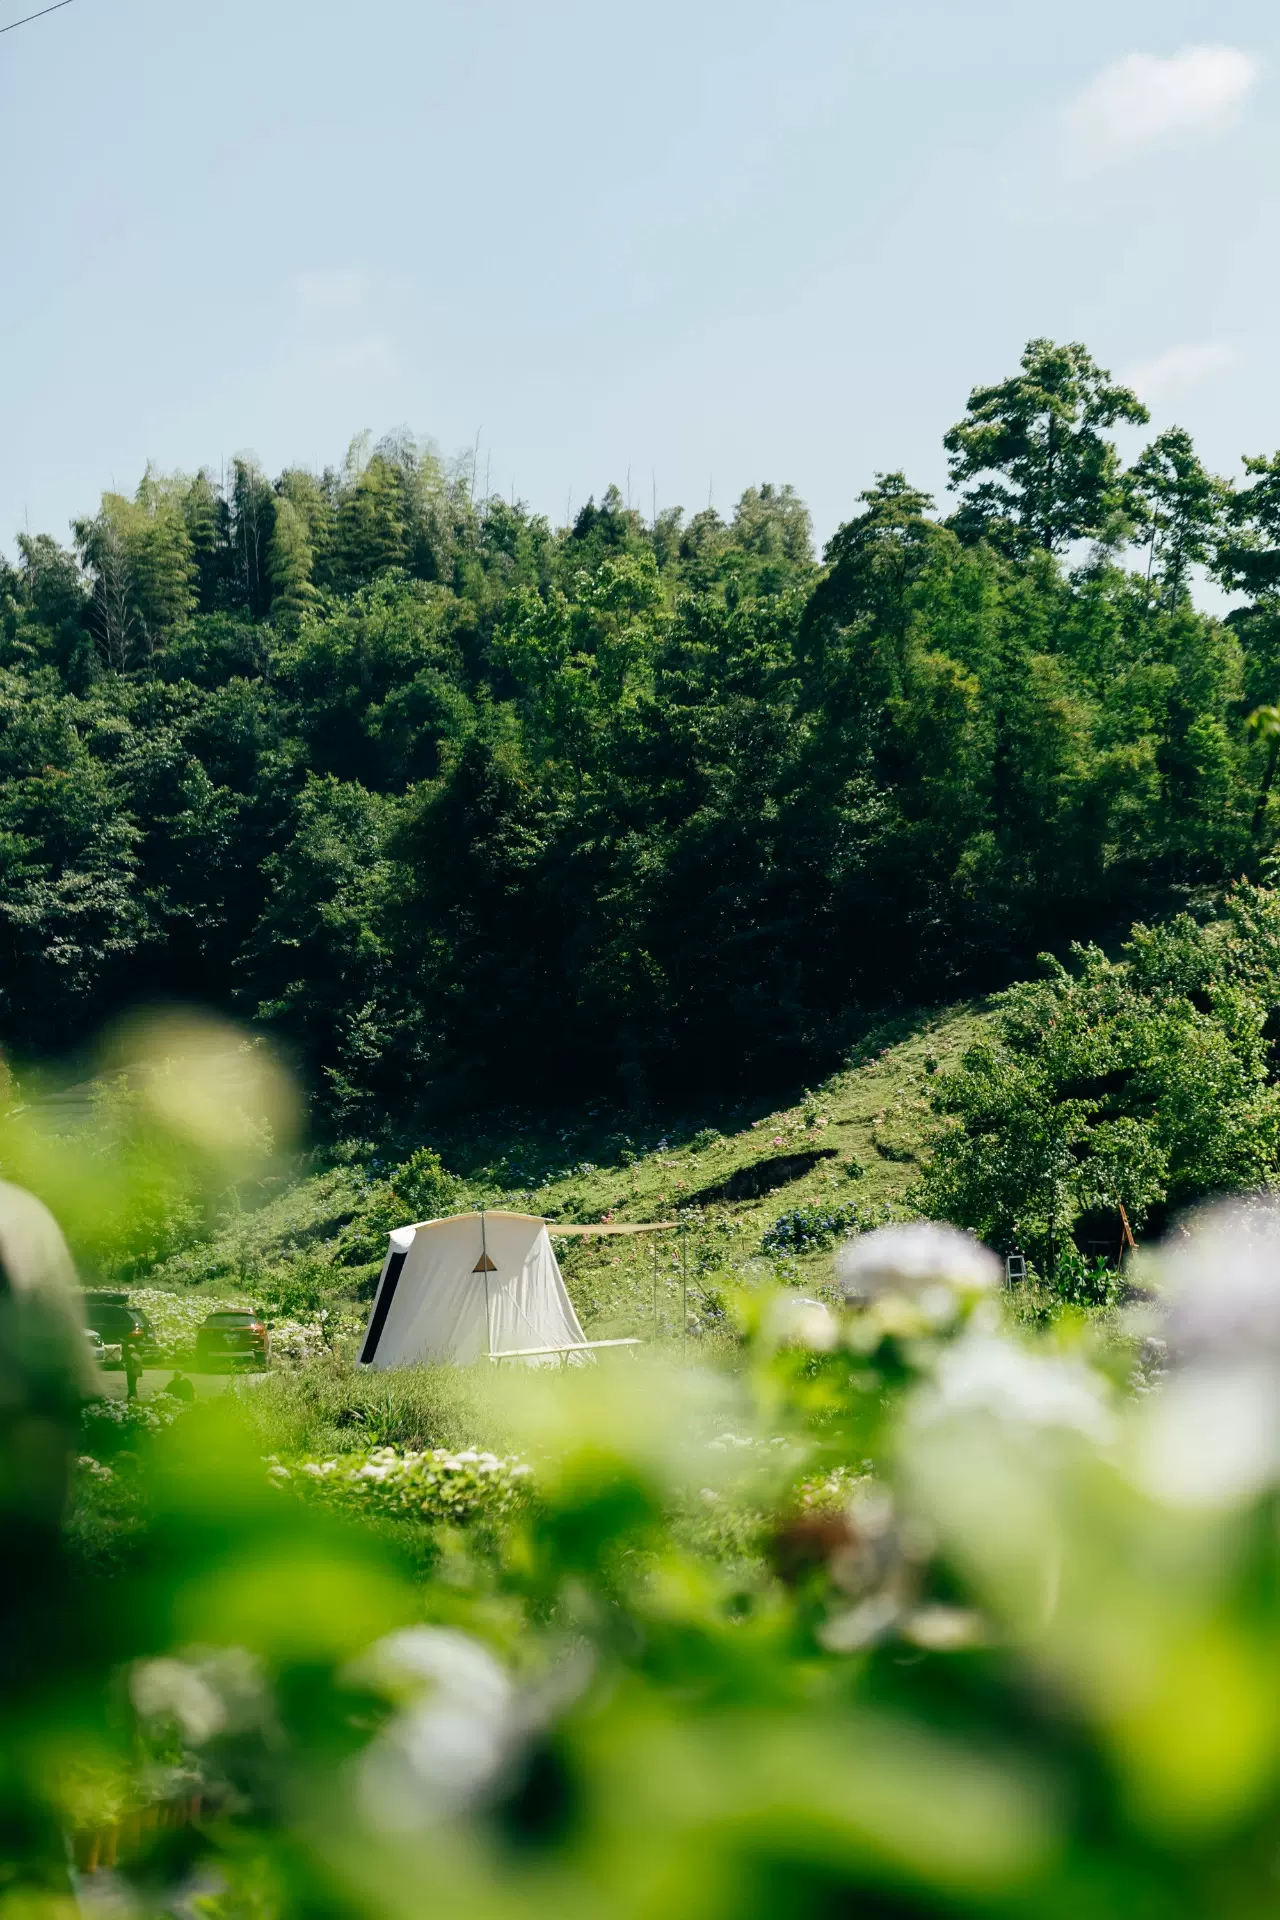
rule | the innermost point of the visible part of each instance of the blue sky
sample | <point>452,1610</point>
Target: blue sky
<point>702,243</point>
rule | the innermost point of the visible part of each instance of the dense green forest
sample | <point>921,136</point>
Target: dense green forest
<point>453,801</point>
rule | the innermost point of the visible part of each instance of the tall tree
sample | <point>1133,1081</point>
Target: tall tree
<point>253,517</point>
<point>1040,436</point>
<point>314,501</point>
<point>1177,509</point>
<point>163,565</point>
<point>1249,553</point>
<point>104,550</point>
<point>372,530</point>
<point>292,594</point>
<point>208,519</point>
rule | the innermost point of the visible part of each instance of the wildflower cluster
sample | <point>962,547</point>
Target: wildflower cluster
<point>296,1342</point>
<point>433,1486</point>
<point>814,1226</point>
<point>117,1421</point>
<point>176,1317</point>
<point>832,1491</point>
<point>94,1468</point>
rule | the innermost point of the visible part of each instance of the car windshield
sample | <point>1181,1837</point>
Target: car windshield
<point>231,1320</point>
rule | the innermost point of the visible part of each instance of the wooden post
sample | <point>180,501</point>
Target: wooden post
<point>684,1281</point>
<point>1127,1241</point>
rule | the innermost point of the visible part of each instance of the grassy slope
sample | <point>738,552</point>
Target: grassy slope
<point>875,1113</point>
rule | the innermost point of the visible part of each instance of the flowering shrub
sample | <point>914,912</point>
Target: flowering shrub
<point>295,1342</point>
<point>813,1226</point>
<point>831,1492</point>
<point>177,1316</point>
<point>115,1422</point>
<point>951,1620</point>
<point>434,1486</point>
<point>94,1468</point>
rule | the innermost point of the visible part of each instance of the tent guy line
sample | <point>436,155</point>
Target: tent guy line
<point>581,1232</point>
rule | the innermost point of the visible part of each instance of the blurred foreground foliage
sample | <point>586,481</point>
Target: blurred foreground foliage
<point>137,1160</point>
<point>907,1614</point>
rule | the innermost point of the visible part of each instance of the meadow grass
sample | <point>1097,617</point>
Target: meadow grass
<point>858,1138</point>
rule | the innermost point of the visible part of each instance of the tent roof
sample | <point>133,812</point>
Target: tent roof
<point>436,1301</point>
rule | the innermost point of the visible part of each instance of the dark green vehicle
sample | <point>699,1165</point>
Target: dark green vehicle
<point>110,1316</point>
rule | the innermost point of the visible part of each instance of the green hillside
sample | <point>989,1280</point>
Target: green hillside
<point>857,1140</point>
<point>462,813</point>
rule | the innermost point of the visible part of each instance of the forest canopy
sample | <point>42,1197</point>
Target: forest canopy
<point>424,784</point>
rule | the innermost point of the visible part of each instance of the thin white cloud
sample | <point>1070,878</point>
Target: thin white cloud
<point>372,354</point>
<point>336,337</point>
<point>339,291</point>
<point>1170,373</point>
<point>1144,101</point>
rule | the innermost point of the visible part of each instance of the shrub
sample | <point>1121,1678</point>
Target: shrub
<point>438,1486</point>
<point>1086,1283</point>
<point>813,1226</point>
<point>1144,1081</point>
<point>426,1186</point>
<point>111,1425</point>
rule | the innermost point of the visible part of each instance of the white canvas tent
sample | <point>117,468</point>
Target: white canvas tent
<point>469,1287</point>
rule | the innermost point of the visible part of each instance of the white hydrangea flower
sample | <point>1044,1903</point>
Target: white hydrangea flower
<point>793,1320</point>
<point>916,1259</point>
<point>452,1735</point>
<point>1210,1437</point>
<point>173,1689</point>
<point>984,1373</point>
<point>1220,1284</point>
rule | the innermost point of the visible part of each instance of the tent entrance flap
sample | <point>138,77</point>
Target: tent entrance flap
<point>467,1288</point>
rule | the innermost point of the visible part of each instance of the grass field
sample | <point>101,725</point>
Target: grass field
<point>857,1140</point>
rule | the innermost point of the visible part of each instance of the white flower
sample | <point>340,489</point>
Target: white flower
<point>795,1321</point>
<point>1221,1283</point>
<point>452,1735</point>
<point>916,1259</point>
<point>174,1690</point>
<point>1210,1437</point>
<point>986,1374</point>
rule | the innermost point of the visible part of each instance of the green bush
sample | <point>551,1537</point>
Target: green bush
<point>436,1486</point>
<point>1144,1081</point>
<point>813,1226</point>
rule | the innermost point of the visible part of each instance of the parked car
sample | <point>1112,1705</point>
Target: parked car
<point>97,1348</point>
<point>116,1323</point>
<point>231,1338</point>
